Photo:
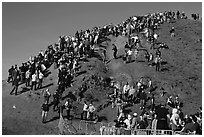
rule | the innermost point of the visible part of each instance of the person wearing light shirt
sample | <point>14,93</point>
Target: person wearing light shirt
<point>27,78</point>
<point>128,122</point>
<point>84,112</point>
<point>34,81</point>
<point>40,77</point>
<point>175,119</point>
<point>91,110</point>
<point>129,53</point>
<point>126,87</point>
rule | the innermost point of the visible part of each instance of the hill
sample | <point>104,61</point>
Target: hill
<point>181,75</point>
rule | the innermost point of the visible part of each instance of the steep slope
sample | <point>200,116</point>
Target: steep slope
<point>184,62</point>
<point>181,75</point>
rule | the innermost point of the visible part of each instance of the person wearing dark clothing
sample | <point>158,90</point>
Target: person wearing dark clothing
<point>191,126</point>
<point>56,98</point>
<point>158,53</point>
<point>178,14</point>
<point>197,127</point>
<point>68,107</point>
<point>62,43</point>
<point>162,113</point>
<point>60,108</point>
<point>158,63</point>
<point>45,109</point>
<point>142,123</point>
<point>115,50</point>
<point>10,71</point>
<point>22,73</point>
<point>126,46</point>
<point>15,81</point>
<point>143,97</point>
<point>152,99</point>
<point>15,74</point>
<point>177,102</point>
<point>15,88</point>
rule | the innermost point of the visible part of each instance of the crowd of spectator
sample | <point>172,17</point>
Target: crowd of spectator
<point>70,50</point>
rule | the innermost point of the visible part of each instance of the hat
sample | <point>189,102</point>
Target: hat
<point>135,114</point>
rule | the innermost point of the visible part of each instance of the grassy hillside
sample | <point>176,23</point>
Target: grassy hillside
<point>181,75</point>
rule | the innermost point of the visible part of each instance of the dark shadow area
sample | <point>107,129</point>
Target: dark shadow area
<point>47,73</point>
<point>121,56</point>
<point>102,46</point>
<point>164,69</point>
<point>24,89</point>
<point>140,61</point>
<point>53,119</point>
<point>128,105</point>
<point>102,118</point>
<point>102,39</point>
<point>163,62</point>
<point>71,96</point>
<point>97,55</point>
<point>81,72</point>
<point>127,111</point>
<point>47,85</point>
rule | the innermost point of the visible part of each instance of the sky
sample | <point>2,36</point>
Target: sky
<point>30,27</point>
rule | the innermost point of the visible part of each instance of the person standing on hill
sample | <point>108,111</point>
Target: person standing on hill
<point>34,81</point>
<point>15,74</point>
<point>10,71</point>
<point>56,98</point>
<point>45,109</point>
<point>162,113</point>
<point>154,123</point>
<point>15,80</point>
<point>134,123</point>
<point>158,53</point>
<point>172,32</point>
<point>46,95</point>
<point>22,72</point>
<point>152,103</point>
<point>28,78</point>
<point>84,112</point>
<point>40,79</point>
<point>68,107</point>
<point>15,86</point>
<point>143,98</point>
<point>104,55</point>
<point>91,111</point>
<point>115,50</point>
<point>158,63</point>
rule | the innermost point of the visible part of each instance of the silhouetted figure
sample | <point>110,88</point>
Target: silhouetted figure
<point>115,50</point>
<point>10,71</point>
<point>45,109</point>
